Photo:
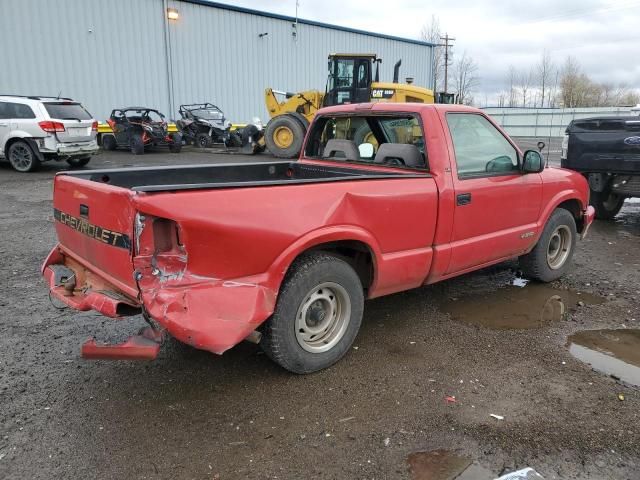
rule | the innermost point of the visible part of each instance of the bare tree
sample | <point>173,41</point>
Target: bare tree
<point>571,83</point>
<point>512,77</point>
<point>431,33</point>
<point>466,78</point>
<point>525,79</point>
<point>544,71</point>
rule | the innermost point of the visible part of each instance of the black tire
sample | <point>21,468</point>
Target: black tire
<point>540,264</point>
<point>314,274</point>
<point>22,157</point>
<point>109,142</point>
<point>176,143</point>
<point>286,127</point>
<point>607,204</point>
<point>202,140</point>
<point>79,161</point>
<point>137,145</point>
<point>362,133</point>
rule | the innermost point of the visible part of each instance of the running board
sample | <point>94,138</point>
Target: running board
<point>144,346</point>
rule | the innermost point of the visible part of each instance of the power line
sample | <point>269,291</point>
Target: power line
<point>447,45</point>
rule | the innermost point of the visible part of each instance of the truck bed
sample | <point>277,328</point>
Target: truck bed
<point>230,175</point>
<point>607,145</point>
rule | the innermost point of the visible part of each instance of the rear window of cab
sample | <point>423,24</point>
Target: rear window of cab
<point>386,140</point>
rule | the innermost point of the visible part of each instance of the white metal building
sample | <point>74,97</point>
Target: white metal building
<point>117,53</point>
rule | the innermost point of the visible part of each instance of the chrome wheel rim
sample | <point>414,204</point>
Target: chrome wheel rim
<point>21,157</point>
<point>323,317</point>
<point>559,247</point>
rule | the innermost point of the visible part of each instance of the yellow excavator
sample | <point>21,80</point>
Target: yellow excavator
<point>349,81</point>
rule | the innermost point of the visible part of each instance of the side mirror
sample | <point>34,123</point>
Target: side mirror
<point>541,146</point>
<point>366,150</point>
<point>533,162</point>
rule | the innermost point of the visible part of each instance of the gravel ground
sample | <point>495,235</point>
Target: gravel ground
<point>191,414</point>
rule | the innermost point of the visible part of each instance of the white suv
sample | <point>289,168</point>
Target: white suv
<point>37,129</point>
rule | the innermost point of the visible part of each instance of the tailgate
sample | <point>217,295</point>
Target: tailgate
<point>604,145</point>
<point>94,224</point>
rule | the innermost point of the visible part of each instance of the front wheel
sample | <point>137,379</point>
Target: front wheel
<point>176,143</point>
<point>137,145</point>
<point>284,136</point>
<point>203,140</point>
<point>552,255</point>
<point>607,204</point>
<point>317,316</point>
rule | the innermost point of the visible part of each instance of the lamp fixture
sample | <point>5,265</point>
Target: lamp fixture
<point>172,14</point>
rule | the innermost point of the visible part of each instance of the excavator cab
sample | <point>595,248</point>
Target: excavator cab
<point>350,78</point>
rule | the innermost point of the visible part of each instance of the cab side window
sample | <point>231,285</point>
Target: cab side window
<point>480,148</point>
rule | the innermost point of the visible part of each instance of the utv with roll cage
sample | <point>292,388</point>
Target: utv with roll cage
<point>139,128</point>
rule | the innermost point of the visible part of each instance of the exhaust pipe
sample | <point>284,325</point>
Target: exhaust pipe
<point>396,71</point>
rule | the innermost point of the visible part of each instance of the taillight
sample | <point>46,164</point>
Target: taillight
<point>94,126</point>
<point>112,124</point>
<point>51,127</point>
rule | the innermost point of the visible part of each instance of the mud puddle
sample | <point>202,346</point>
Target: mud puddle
<point>613,352</point>
<point>513,307</point>
<point>436,465</point>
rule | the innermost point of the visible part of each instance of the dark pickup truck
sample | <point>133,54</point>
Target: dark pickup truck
<point>606,151</point>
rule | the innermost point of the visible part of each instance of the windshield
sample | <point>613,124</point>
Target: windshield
<point>67,111</point>
<point>144,115</point>
<point>207,113</point>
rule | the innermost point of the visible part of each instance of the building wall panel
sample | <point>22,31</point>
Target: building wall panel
<point>115,53</point>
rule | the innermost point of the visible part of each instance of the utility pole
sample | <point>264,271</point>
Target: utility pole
<point>447,44</point>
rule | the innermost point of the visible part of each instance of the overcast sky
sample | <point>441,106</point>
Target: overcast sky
<point>603,35</point>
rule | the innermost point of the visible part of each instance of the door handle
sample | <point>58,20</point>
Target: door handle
<point>463,199</point>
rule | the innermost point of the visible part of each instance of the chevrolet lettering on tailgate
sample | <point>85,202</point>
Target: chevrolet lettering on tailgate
<point>96,232</point>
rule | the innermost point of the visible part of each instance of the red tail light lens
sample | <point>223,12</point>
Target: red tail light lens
<point>111,123</point>
<point>94,126</point>
<point>51,127</point>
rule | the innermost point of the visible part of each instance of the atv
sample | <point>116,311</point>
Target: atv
<point>138,128</point>
<point>204,125</point>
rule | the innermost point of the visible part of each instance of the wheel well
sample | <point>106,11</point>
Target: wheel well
<point>574,208</point>
<point>10,142</point>
<point>355,253</point>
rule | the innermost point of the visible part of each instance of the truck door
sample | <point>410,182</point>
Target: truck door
<point>496,205</point>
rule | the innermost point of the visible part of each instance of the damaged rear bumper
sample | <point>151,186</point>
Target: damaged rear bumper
<point>208,314</point>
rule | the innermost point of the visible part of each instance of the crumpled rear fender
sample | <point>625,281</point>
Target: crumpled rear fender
<point>206,313</point>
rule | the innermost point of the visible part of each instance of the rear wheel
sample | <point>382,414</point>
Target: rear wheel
<point>78,162</point>
<point>137,145</point>
<point>176,143</point>
<point>317,316</point>
<point>607,204</point>
<point>552,255</point>
<point>284,136</point>
<point>22,157</point>
<point>109,142</point>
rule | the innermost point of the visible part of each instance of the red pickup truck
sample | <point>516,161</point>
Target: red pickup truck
<point>384,198</point>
